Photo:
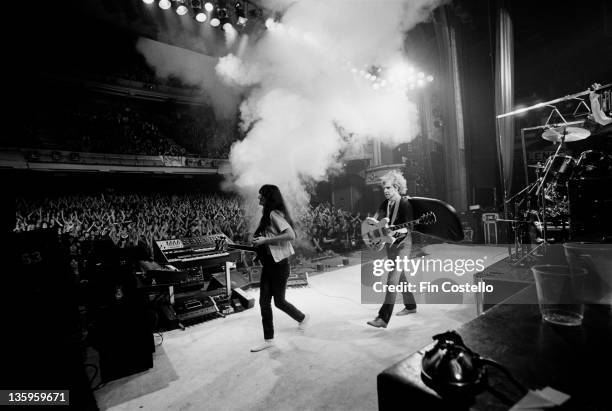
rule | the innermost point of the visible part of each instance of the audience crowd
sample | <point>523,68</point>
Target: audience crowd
<point>116,127</point>
<point>140,219</point>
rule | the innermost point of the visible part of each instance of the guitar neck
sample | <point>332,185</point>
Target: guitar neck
<point>409,224</point>
<point>242,247</point>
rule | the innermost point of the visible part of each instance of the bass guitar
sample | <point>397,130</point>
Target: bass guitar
<point>378,233</point>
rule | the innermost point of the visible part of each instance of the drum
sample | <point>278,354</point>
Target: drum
<point>593,164</point>
<point>558,170</point>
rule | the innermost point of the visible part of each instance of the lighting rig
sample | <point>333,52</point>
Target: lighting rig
<point>218,13</point>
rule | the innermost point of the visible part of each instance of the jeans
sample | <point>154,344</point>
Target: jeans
<point>273,283</point>
<point>394,278</point>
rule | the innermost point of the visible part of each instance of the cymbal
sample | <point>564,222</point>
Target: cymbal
<point>570,133</point>
<point>536,166</point>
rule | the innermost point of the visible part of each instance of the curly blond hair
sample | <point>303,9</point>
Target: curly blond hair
<point>396,179</point>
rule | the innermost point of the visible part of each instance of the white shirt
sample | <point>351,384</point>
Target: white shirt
<point>283,249</point>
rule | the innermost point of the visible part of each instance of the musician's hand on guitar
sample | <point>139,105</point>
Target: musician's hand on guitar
<point>387,231</point>
<point>257,241</point>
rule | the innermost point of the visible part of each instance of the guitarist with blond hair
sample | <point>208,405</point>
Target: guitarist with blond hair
<point>398,210</point>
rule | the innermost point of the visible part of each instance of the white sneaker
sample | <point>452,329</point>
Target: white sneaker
<point>304,323</point>
<point>263,346</point>
<point>406,311</point>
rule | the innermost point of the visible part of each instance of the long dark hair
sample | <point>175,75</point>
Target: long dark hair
<point>272,200</point>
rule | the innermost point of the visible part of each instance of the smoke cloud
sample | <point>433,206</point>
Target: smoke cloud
<point>193,69</point>
<point>304,89</point>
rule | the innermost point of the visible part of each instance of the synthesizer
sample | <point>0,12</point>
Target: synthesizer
<point>194,251</point>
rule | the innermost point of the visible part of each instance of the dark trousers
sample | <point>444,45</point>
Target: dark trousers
<point>394,278</point>
<point>273,283</point>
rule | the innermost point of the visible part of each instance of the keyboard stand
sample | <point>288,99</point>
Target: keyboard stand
<point>170,314</point>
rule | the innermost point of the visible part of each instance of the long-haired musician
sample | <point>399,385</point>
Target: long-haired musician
<point>274,236</point>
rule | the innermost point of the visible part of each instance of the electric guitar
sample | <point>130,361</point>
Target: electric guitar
<point>224,245</point>
<point>378,233</point>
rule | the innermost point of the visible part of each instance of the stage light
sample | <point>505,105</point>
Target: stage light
<point>227,26</point>
<point>181,10</point>
<point>196,6</point>
<point>240,12</point>
<point>269,23</point>
<point>208,6</point>
<point>421,74</point>
<point>430,78</point>
<point>147,1</point>
<point>164,4</point>
<point>239,9</point>
<point>420,83</point>
<point>223,17</point>
<point>219,16</point>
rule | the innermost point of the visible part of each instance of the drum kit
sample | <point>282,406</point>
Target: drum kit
<point>541,210</point>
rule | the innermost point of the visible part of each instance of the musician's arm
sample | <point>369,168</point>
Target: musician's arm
<point>286,231</point>
<point>287,235</point>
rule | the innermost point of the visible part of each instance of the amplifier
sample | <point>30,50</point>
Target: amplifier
<point>189,276</point>
<point>194,309</point>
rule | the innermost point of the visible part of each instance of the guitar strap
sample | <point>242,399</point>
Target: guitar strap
<point>395,209</point>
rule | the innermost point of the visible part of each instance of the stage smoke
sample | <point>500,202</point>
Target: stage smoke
<point>306,104</point>
<point>193,69</point>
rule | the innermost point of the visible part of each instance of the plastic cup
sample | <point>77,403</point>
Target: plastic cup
<point>558,291</point>
<point>596,258</point>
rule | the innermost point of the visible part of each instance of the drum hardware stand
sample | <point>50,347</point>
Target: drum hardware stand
<point>519,255</point>
<point>580,104</point>
<point>518,243</point>
<point>530,255</point>
<point>551,102</point>
<point>549,168</point>
<point>554,110</point>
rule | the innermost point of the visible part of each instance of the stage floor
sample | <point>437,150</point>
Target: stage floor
<point>332,365</point>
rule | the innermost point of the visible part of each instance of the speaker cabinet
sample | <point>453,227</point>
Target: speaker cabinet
<point>124,340</point>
